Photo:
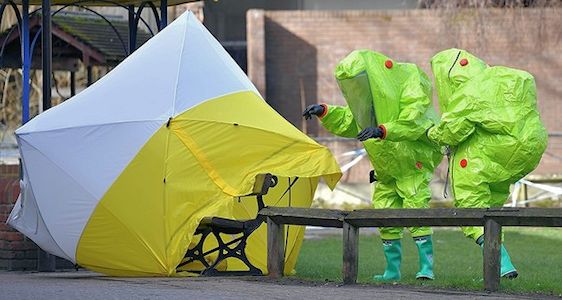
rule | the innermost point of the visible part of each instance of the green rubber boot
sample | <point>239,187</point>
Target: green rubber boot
<point>425,252</point>
<point>507,270</point>
<point>393,255</point>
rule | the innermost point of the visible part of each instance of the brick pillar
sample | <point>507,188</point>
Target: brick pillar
<point>16,251</point>
<point>255,36</point>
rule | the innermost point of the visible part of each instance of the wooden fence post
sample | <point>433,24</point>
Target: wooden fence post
<point>492,243</point>
<point>350,253</point>
<point>275,248</point>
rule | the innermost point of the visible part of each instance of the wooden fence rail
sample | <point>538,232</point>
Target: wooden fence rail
<point>492,219</point>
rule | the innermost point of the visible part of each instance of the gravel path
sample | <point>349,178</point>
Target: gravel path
<point>88,285</point>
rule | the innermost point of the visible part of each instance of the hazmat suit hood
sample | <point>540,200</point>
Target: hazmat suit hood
<point>452,68</point>
<point>370,94</point>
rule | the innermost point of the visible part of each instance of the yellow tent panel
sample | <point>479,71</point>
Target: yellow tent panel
<point>198,165</point>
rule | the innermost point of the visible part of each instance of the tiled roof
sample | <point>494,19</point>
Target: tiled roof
<point>98,34</point>
<point>91,30</point>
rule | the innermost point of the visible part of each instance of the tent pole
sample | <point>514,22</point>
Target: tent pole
<point>45,261</point>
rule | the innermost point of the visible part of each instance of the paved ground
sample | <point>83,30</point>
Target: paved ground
<point>88,285</point>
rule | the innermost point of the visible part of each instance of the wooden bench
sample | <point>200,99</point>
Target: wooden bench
<point>492,219</point>
<point>234,248</point>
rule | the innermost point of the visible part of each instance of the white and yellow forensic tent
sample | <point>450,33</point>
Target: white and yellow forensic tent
<point>118,178</point>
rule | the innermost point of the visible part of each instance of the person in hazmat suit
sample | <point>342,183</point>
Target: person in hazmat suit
<point>389,110</point>
<point>491,123</point>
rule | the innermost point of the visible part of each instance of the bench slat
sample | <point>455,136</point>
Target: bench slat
<point>545,217</point>
<point>415,217</point>
<point>305,216</point>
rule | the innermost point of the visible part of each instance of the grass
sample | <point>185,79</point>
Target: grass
<point>535,252</point>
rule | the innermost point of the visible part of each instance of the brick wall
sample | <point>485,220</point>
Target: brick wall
<point>301,49</point>
<point>16,251</point>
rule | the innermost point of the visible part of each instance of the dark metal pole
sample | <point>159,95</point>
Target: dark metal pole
<point>45,261</point>
<point>132,29</point>
<point>72,83</point>
<point>46,41</point>
<point>26,62</point>
<point>163,14</point>
<point>89,76</point>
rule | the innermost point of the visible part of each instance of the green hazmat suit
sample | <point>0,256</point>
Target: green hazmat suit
<point>395,97</point>
<point>491,122</point>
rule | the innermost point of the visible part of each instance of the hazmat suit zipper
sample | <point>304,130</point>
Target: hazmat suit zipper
<point>451,168</point>
<point>448,148</point>
<point>448,154</point>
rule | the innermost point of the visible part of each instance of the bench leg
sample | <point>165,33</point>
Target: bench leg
<point>350,253</point>
<point>275,248</point>
<point>492,244</point>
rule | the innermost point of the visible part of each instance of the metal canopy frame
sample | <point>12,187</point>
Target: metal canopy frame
<point>23,26</point>
<point>46,262</point>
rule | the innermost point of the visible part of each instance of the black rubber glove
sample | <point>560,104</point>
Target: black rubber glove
<point>370,133</point>
<point>314,109</point>
<point>372,176</point>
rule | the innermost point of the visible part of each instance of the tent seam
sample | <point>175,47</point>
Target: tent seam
<point>189,15</point>
<point>91,125</point>
<point>172,114</point>
<point>311,142</point>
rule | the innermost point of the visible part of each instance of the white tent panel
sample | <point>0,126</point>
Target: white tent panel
<point>207,70</point>
<point>25,217</point>
<point>142,87</point>
<point>92,155</point>
<point>64,205</point>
